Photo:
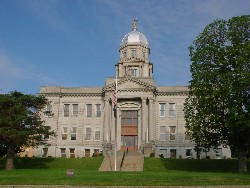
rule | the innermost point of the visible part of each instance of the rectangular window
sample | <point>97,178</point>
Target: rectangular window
<point>162,108</point>
<point>66,110</point>
<point>172,109</point>
<point>45,152</point>
<point>87,152</point>
<point>87,133</point>
<point>97,133</point>
<point>188,153</point>
<point>73,133</point>
<point>64,133</point>
<point>173,153</point>
<point>48,110</point>
<point>133,52</point>
<point>129,118</point>
<point>124,55</point>
<point>172,132</point>
<point>98,110</point>
<point>63,152</point>
<point>72,152</point>
<point>89,110</point>
<point>75,110</point>
<point>163,133</point>
<point>46,136</point>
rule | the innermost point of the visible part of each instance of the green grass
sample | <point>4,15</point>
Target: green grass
<point>158,172</point>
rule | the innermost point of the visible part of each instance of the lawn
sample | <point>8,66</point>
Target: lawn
<point>158,172</point>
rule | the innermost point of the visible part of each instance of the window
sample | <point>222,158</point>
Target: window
<point>187,134</point>
<point>48,110</point>
<point>218,153</point>
<point>124,55</point>
<point>73,133</point>
<point>188,153</point>
<point>163,133</point>
<point>72,152</point>
<point>98,110</point>
<point>87,152</point>
<point>46,136</point>
<point>45,152</point>
<point>134,72</point>
<point>173,153</point>
<point>172,109</point>
<point>129,118</point>
<point>172,132</point>
<point>97,133</point>
<point>133,52</point>
<point>143,55</point>
<point>96,152</point>
<point>66,110</point>
<point>87,133</point>
<point>64,133</point>
<point>75,110</point>
<point>162,107</point>
<point>63,152</point>
<point>89,110</point>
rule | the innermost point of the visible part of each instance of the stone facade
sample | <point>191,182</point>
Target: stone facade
<point>149,118</point>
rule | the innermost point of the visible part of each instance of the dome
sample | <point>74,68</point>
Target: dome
<point>134,37</point>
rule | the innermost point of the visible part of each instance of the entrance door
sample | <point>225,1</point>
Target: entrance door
<point>129,129</point>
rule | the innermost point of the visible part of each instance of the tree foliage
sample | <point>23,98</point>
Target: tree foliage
<point>217,110</point>
<point>20,123</point>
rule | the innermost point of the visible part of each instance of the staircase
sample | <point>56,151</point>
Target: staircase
<point>125,161</point>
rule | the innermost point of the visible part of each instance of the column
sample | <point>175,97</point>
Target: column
<point>106,135</point>
<point>150,120</point>
<point>144,120</point>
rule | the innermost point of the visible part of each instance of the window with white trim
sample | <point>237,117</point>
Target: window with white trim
<point>89,110</point>
<point>48,110</point>
<point>46,136</point>
<point>66,110</point>
<point>63,152</point>
<point>72,152</point>
<point>171,109</point>
<point>133,52</point>
<point>64,133</point>
<point>97,133</point>
<point>45,152</point>
<point>87,133</point>
<point>172,133</point>
<point>75,110</point>
<point>162,109</point>
<point>124,55</point>
<point>163,133</point>
<point>73,133</point>
<point>98,111</point>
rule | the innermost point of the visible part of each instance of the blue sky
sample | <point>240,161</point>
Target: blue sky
<point>75,43</point>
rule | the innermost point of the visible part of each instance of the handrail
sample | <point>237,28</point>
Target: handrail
<point>123,156</point>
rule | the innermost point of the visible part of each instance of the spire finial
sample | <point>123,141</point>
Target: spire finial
<point>134,24</point>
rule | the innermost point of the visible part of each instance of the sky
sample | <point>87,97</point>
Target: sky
<point>75,43</point>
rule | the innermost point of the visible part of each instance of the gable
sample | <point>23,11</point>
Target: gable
<point>130,83</point>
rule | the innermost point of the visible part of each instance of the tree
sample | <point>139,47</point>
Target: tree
<point>20,123</point>
<point>217,110</point>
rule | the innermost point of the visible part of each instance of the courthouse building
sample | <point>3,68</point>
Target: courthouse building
<point>150,118</point>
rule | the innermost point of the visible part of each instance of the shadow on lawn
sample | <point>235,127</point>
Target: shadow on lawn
<point>28,163</point>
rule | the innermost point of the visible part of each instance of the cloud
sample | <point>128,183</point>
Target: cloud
<point>14,77</point>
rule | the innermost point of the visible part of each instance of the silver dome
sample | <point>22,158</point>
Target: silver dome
<point>134,37</point>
